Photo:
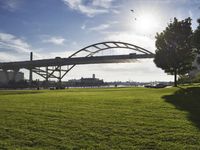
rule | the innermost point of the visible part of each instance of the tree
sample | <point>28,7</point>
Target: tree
<point>174,53</point>
<point>196,42</point>
<point>196,38</point>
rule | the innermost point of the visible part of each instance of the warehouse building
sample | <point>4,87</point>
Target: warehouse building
<point>86,82</point>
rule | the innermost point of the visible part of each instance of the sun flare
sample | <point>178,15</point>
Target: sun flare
<point>147,23</point>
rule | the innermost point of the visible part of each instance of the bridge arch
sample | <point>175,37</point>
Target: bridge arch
<point>53,68</point>
<point>97,47</point>
<point>102,46</point>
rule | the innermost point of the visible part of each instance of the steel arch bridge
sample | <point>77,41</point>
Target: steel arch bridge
<point>53,68</point>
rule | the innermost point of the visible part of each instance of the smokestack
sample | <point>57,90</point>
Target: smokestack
<point>31,56</point>
<point>93,76</point>
<point>31,73</point>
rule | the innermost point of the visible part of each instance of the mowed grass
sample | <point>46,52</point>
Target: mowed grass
<point>113,118</point>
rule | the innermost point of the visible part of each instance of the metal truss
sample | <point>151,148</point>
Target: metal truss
<point>98,47</point>
<point>51,72</point>
<point>95,48</point>
<point>90,50</point>
<point>48,70</point>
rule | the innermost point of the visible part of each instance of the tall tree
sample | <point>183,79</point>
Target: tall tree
<point>196,38</point>
<point>174,53</point>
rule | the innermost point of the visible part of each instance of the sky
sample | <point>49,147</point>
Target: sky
<point>52,28</point>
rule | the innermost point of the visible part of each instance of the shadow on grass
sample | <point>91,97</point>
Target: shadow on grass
<point>19,92</point>
<point>187,99</point>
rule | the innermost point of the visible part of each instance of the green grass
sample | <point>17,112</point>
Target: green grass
<point>115,118</point>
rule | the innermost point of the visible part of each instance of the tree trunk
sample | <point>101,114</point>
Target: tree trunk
<point>175,77</point>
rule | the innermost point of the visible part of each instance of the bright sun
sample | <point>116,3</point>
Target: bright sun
<point>146,23</point>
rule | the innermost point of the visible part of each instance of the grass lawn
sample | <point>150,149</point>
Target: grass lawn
<point>113,118</point>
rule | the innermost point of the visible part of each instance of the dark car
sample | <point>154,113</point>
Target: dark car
<point>160,85</point>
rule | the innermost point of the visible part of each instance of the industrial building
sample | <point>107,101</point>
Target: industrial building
<point>86,82</point>
<point>10,76</point>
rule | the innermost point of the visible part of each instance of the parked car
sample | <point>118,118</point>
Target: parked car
<point>148,86</point>
<point>159,85</point>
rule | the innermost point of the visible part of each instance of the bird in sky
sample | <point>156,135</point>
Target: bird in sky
<point>133,12</point>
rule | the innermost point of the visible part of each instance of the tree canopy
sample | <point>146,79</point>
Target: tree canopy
<point>174,52</point>
<point>196,38</point>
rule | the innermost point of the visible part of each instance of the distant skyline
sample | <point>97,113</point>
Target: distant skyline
<point>51,28</point>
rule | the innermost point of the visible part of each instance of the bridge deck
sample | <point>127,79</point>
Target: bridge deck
<point>72,61</point>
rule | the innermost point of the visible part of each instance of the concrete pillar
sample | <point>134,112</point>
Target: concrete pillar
<point>47,77</point>
<point>60,77</point>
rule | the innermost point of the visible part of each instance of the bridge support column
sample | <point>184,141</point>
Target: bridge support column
<point>60,77</point>
<point>47,77</point>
